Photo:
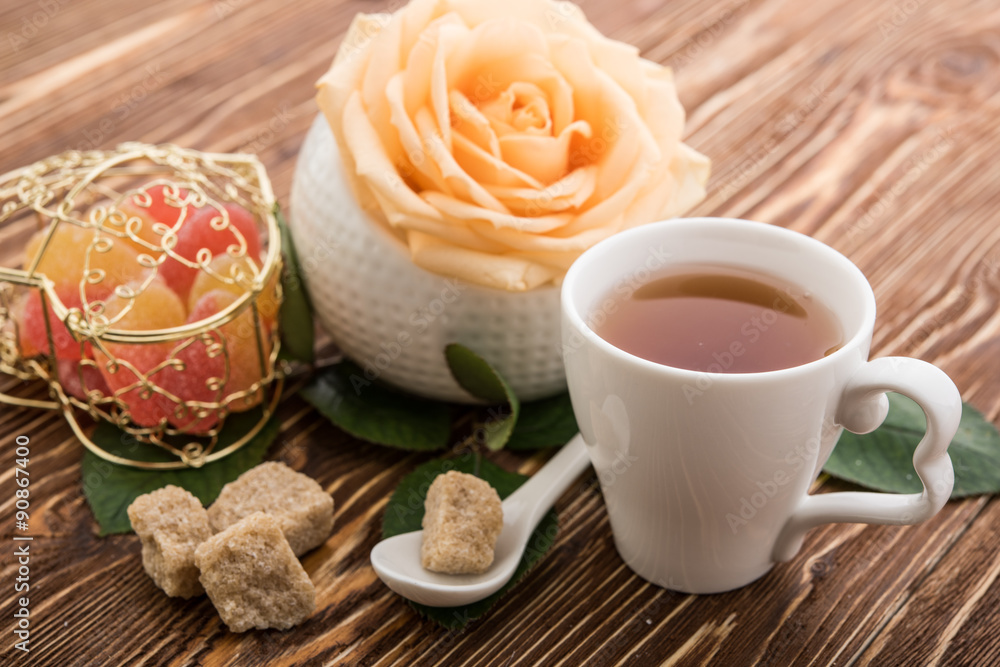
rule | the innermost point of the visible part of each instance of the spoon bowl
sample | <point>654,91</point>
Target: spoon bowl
<point>396,560</point>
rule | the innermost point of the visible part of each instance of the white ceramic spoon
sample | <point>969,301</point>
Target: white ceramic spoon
<point>397,559</point>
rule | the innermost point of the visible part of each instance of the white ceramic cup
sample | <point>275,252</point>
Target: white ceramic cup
<point>706,475</point>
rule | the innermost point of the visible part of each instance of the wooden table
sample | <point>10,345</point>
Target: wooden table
<point>872,125</point>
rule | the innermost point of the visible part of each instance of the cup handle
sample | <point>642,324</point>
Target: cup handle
<point>862,409</point>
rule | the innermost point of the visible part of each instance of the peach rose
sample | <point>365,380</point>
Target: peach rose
<point>499,140</point>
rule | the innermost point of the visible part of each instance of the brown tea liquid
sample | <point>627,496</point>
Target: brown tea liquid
<point>721,320</point>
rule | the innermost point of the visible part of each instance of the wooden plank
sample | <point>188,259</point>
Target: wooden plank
<point>870,125</point>
<point>941,621</point>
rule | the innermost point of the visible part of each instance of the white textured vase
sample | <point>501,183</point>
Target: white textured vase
<point>393,317</point>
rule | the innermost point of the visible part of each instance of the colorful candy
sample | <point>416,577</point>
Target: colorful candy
<point>234,275</point>
<point>188,384</point>
<point>207,234</point>
<point>133,368</point>
<point>247,358</point>
<point>159,203</point>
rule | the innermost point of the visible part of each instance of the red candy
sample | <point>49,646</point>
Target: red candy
<point>226,265</point>
<point>205,364</point>
<point>200,380</point>
<point>197,233</point>
<point>33,334</point>
<point>241,344</point>
<point>158,210</point>
<point>77,379</point>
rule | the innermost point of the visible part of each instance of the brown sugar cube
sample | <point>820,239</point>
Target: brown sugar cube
<point>171,523</point>
<point>253,578</point>
<point>303,510</point>
<point>462,521</point>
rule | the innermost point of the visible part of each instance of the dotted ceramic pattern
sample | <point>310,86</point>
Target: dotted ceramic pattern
<point>395,318</point>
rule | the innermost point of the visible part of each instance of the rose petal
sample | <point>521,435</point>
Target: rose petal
<point>517,239</point>
<point>532,116</point>
<point>544,158</point>
<point>498,271</point>
<point>491,43</point>
<point>424,172</point>
<point>381,66</point>
<point>663,106</point>
<point>373,165</point>
<point>424,79</point>
<point>521,108</point>
<point>649,202</point>
<point>621,136</point>
<point>464,213</point>
<point>618,60</point>
<point>523,68</point>
<point>448,41</point>
<point>571,192</point>
<point>343,80</point>
<point>690,170</point>
<point>616,204</point>
<point>500,53</point>
<point>415,17</point>
<point>447,231</point>
<point>475,12</point>
<point>459,182</point>
<point>488,169</point>
<point>472,124</point>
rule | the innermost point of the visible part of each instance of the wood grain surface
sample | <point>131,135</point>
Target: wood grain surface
<point>872,125</point>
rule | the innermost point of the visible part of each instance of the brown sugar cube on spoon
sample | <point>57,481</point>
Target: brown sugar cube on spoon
<point>299,504</point>
<point>462,522</point>
<point>171,523</point>
<point>253,578</point>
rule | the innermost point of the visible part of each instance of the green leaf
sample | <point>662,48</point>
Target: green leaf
<point>111,488</point>
<point>297,334</point>
<point>375,413</point>
<point>497,431</point>
<point>405,512</point>
<point>477,377</point>
<point>548,422</point>
<point>883,460</point>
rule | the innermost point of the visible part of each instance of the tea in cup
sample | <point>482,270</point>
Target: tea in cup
<point>712,365</point>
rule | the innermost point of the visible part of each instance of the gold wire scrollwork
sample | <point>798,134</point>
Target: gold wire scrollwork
<point>88,190</point>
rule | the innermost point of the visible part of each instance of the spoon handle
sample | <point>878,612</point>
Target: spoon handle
<point>540,492</point>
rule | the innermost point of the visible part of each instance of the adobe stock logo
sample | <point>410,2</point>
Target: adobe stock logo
<point>750,332</point>
<point>801,455</point>
<point>749,506</point>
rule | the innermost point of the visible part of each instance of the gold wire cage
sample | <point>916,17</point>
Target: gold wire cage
<point>171,387</point>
